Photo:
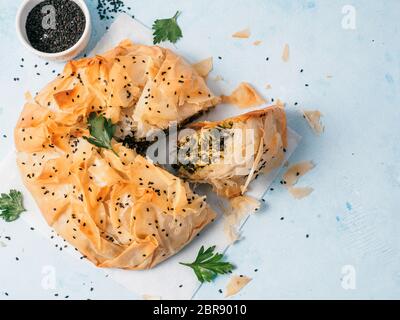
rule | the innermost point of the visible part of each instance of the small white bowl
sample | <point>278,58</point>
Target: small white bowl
<point>68,54</point>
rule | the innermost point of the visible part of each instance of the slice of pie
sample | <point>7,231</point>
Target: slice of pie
<point>229,154</point>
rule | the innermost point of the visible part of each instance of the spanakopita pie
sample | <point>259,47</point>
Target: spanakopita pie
<point>144,89</point>
<point>229,154</point>
<point>113,205</point>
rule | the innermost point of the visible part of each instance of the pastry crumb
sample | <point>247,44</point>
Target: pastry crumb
<point>204,67</point>
<point>292,176</point>
<point>300,193</point>
<point>296,171</point>
<point>239,208</point>
<point>313,118</point>
<point>242,34</point>
<point>244,96</point>
<point>286,53</point>
<point>236,284</point>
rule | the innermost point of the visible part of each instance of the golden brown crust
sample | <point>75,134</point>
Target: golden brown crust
<point>118,211</point>
<point>148,87</point>
<point>277,110</point>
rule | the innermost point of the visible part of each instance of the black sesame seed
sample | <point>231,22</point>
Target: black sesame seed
<point>65,35</point>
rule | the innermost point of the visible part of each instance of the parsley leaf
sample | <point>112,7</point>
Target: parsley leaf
<point>101,130</point>
<point>11,205</point>
<point>167,29</point>
<point>208,265</point>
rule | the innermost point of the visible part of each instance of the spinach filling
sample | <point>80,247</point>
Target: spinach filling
<point>141,145</point>
<point>203,148</point>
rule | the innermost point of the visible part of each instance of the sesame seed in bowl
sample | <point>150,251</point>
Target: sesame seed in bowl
<point>54,29</point>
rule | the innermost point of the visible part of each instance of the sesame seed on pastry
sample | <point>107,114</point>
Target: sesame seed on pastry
<point>120,211</point>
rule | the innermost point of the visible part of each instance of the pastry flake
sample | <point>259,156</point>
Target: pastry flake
<point>204,67</point>
<point>236,284</point>
<point>242,34</point>
<point>313,118</point>
<point>229,154</point>
<point>244,96</point>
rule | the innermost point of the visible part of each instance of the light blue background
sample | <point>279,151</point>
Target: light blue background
<point>353,216</point>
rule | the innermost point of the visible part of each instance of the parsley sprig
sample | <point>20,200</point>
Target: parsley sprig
<point>167,29</point>
<point>11,205</point>
<point>208,265</point>
<point>102,131</point>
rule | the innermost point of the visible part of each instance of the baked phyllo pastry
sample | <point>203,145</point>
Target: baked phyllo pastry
<point>113,205</point>
<point>144,89</point>
<point>229,154</point>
